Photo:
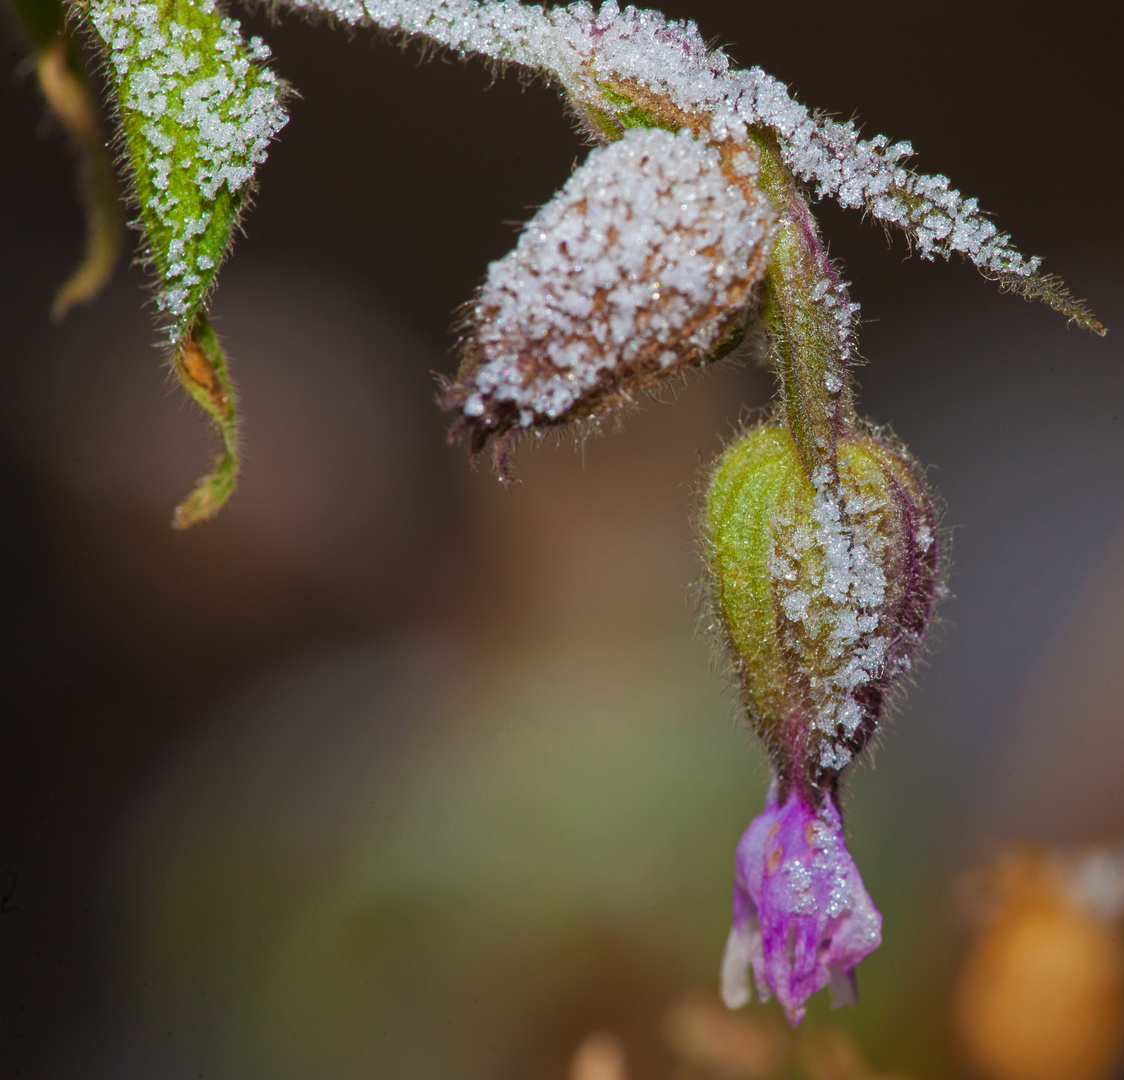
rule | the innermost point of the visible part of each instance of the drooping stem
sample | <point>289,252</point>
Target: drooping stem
<point>200,365</point>
<point>63,83</point>
<point>809,315</point>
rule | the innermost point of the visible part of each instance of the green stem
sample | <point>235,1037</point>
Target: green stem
<point>808,312</point>
<point>201,366</point>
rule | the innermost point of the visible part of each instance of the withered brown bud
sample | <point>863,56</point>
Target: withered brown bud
<point>645,263</point>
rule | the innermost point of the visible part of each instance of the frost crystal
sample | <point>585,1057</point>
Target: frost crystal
<point>587,50</point>
<point>644,262</point>
<point>838,605</point>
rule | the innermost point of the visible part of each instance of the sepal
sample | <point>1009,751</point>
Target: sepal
<point>821,589</point>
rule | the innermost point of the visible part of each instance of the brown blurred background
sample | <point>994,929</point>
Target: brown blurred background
<point>389,772</point>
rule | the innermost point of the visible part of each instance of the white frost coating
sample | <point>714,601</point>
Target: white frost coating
<point>577,46</point>
<point>229,116</point>
<point>835,601</point>
<point>838,315</point>
<point>637,261</point>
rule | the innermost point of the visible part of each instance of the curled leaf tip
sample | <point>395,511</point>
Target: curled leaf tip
<point>200,365</point>
<point>209,495</point>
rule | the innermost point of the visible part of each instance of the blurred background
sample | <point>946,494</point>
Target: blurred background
<point>389,772</point>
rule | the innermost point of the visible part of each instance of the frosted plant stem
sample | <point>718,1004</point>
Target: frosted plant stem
<point>809,315</point>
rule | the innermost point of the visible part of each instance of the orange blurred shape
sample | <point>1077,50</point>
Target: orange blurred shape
<point>1041,994</point>
<point>729,1045</point>
<point>599,1057</point>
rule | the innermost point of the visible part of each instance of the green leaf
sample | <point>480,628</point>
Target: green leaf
<point>197,112</point>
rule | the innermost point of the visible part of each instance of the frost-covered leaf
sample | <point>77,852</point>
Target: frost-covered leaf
<point>197,111</point>
<point>621,69</point>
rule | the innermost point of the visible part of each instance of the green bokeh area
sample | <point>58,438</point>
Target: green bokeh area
<point>195,115</point>
<point>551,850</point>
<point>41,20</point>
<point>380,864</point>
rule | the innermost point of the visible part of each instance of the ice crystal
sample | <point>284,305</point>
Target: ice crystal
<point>838,603</point>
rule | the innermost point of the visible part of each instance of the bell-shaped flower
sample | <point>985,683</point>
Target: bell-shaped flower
<point>802,919</point>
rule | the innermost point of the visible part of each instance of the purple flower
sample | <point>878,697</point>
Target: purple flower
<point>802,918</point>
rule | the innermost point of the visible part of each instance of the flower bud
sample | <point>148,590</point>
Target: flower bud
<point>821,587</point>
<point>646,262</point>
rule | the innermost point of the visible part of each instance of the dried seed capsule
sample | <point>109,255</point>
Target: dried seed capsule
<point>644,263</point>
<point>821,587</point>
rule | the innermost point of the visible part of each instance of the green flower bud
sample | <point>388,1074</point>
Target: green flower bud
<point>821,588</point>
